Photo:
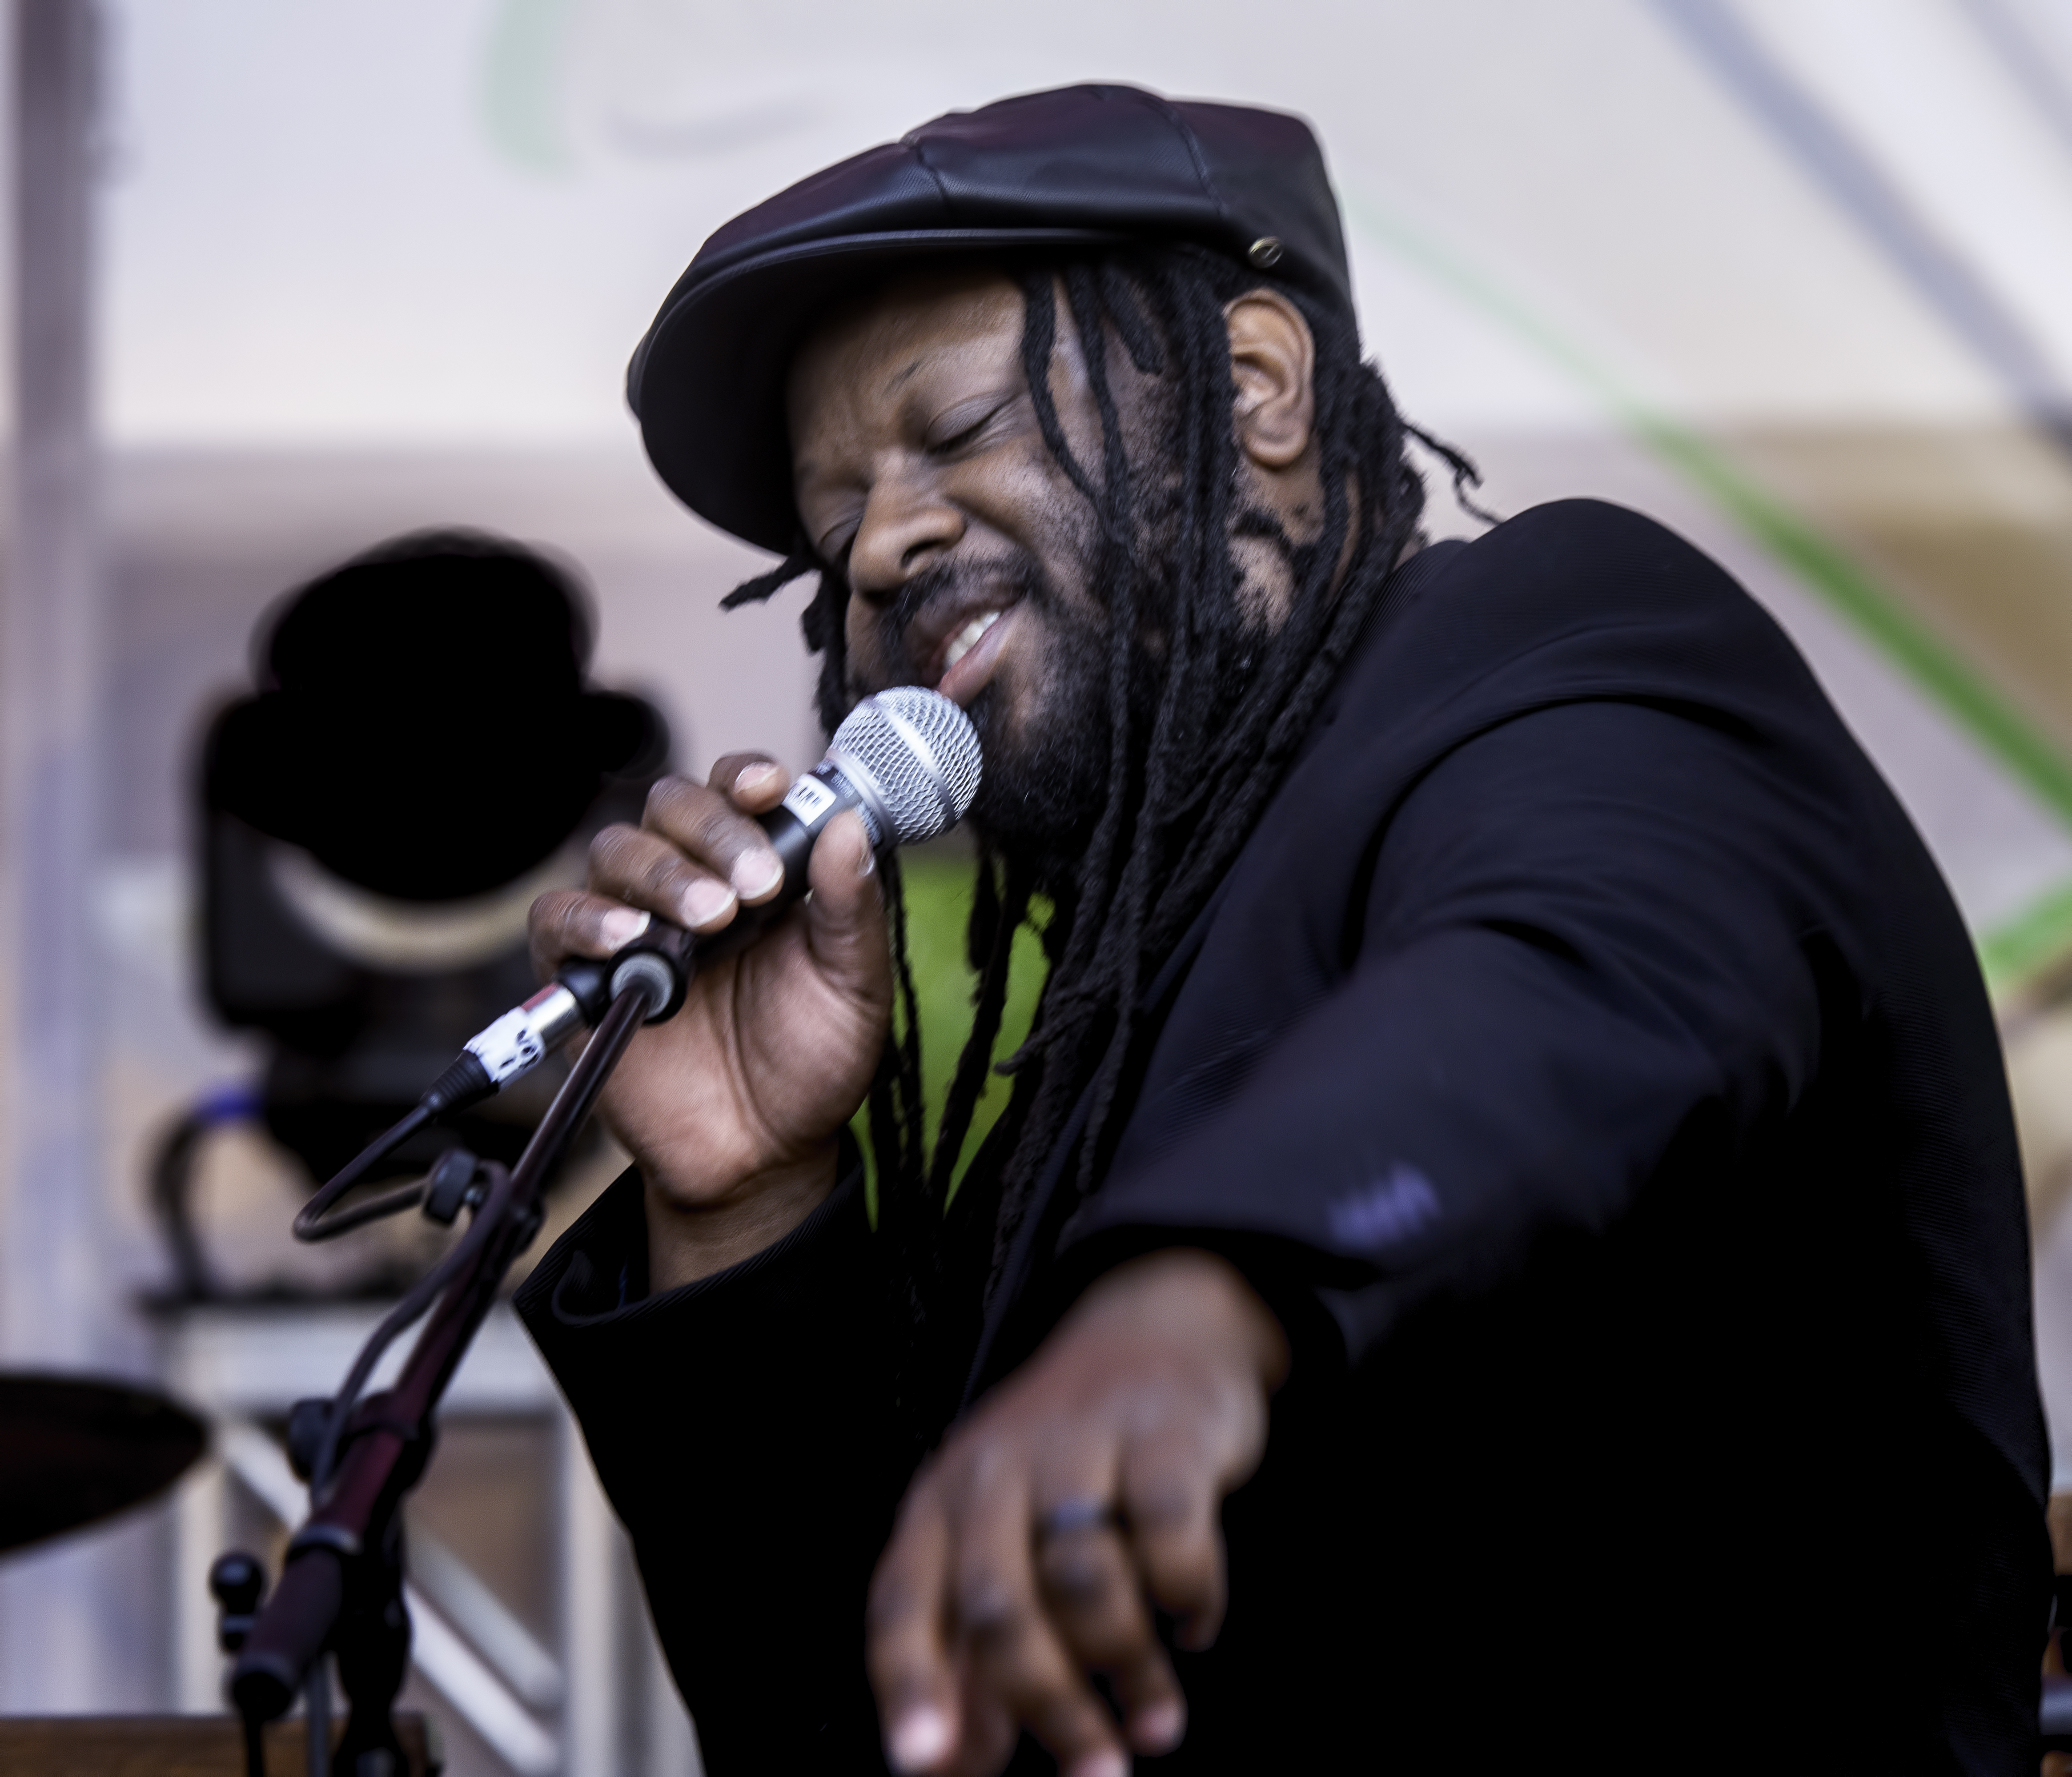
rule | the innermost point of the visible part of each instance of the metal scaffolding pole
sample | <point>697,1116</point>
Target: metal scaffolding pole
<point>58,1308</point>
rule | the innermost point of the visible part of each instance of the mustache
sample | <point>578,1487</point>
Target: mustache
<point>1017,572</point>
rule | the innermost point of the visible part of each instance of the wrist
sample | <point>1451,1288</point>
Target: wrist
<point>690,1239</point>
<point>1201,1300</point>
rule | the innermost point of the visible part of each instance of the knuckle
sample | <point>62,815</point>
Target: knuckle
<point>954,1483</point>
<point>550,913</point>
<point>718,830</point>
<point>664,796</point>
<point>982,1458</point>
<point>1076,1568</point>
<point>890,1606</point>
<point>699,820</point>
<point>924,1497</point>
<point>988,1610</point>
<point>607,842</point>
<point>1165,1503</point>
<point>658,872</point>
<point>984,1606</point>
<point>898,1594</point>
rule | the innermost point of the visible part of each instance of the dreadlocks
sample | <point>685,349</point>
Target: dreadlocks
<point>1203,726</point>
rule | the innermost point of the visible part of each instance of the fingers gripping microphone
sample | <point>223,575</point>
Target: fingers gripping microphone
<point>906,760</point>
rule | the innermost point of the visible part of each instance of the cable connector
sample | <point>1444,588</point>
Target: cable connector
<point>466,1082</point>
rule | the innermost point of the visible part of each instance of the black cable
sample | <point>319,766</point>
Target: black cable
<point>404,1314</point>
<point>171,1176</point>
<point>172,1173</point>
<point>390,1202</point>
<point>465,1082</point>
<point>309,1223</point>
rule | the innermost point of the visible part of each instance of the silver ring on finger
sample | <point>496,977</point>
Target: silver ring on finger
<point>1085,1512</point>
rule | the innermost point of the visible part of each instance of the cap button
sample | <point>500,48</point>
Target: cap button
<point>1265,252</point>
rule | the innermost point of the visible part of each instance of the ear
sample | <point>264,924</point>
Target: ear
<point>1273,359</point>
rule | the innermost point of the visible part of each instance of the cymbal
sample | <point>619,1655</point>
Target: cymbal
<point>74,1450</point>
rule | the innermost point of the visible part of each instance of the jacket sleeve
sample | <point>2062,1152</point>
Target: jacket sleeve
<point>1583,942</point>
<point>743,1427</point>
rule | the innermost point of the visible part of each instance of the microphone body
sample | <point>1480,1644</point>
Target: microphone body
<point>906,760</point>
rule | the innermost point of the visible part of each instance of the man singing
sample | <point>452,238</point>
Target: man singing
<point>1506,1244</point>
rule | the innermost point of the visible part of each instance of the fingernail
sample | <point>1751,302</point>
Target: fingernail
<point>753,777</point>
<point>621,925</point>
<point>705,901</point>
<point>868,862</point>
<point>1157,1727</point>
<point>1106,1763</point>
<point>756,873</point>
<point>919,1738</point>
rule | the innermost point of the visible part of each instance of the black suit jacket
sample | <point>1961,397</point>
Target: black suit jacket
<point>1585,1059</point>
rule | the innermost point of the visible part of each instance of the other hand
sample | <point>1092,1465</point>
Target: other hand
<point>1083,1496</point>
<point>732,1108</point>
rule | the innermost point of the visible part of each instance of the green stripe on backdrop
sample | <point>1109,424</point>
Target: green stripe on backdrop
<point>2019,950</point>
<point>2011,952</point>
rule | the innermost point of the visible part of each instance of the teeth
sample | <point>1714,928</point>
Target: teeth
<point>966,638</point>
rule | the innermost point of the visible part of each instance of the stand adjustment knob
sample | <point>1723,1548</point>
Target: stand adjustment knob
<point>237,1581</point>
<point>307,1422</point>
<point>452,1185</point>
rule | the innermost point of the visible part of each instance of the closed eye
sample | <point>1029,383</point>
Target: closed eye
<point>962,425</point>
<point>833,549</point>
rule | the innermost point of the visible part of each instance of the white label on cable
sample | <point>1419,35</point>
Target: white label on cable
<point>509,1047</point>
<point>809,799</point>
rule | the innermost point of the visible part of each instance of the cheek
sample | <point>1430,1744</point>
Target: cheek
<point>1019,495</point>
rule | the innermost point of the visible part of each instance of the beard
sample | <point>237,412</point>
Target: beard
<point>1045,775</point>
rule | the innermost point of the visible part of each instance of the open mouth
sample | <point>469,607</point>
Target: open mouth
<point>967,639</point>
<point>970,657</point>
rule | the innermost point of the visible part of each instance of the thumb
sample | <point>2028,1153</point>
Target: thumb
<point>845,917</point>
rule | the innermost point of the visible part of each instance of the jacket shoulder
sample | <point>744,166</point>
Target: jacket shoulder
<point>1575,599</point>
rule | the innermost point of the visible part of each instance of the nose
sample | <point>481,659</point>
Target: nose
<point>906,522</point>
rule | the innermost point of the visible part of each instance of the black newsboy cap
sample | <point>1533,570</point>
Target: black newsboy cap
<point>1079,165</point>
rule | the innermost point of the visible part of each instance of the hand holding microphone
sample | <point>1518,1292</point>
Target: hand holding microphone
<point>741,1105</point>
<point>732,1106</point>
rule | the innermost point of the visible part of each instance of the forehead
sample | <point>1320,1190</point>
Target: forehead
<point>861,356</point>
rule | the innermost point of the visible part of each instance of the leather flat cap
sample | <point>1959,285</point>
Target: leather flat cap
<point>1081,165</point>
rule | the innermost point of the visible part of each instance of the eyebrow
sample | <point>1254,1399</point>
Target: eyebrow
<point>899,379</point>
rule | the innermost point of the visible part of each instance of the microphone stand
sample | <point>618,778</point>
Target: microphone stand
<point>341,1586</point>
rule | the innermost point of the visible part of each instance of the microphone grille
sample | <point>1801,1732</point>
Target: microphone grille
<point>918,756</point>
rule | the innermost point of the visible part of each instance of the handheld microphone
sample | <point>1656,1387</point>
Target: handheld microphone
<point>907,760</point>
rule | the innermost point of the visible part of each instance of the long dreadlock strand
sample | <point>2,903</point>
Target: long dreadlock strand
<point>984,926</point>
<point>1010,901</point>
<point>801,561</point>
<point>896,1112</point>
<point>1060,1012</point>
<point>1465,474</point>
